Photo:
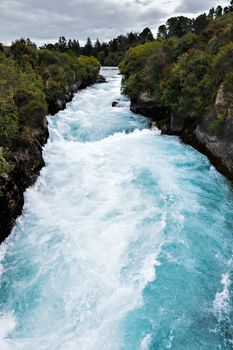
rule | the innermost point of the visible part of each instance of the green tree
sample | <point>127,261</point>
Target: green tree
<point>179,26</point>
<point>62,44</point>
<point>88,48</point>
<point>97,47</point>
<point>162,32</point>
<point>211,14</point>
<point>200,23</point>
<point>218,11</point>
<point>146,35</point>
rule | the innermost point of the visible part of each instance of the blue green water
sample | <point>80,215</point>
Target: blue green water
<point>125,241</point>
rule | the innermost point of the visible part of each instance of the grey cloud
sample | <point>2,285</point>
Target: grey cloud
<point>195,6</point>
<point>48,19</point>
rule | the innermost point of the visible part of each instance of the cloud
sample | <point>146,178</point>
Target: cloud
<point>46,20</point>
<point>196,6</point>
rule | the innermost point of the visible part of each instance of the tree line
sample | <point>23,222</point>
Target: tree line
<point>108,53</point>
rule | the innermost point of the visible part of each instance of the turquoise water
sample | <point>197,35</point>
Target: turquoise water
<point>125,241</point>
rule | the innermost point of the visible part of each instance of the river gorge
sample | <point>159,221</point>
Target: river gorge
<point>125,241</point>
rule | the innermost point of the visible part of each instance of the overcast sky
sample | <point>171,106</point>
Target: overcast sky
<point>46,20</point>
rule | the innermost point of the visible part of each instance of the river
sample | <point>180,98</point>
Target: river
<point>125,242</point>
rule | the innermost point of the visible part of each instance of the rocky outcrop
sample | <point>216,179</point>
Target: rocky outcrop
<point>119,103</point>
<point>100,79</point>
<point>212,134</point>
<point>177,123</point>
<point>28,161</point>
<point>58,103</point>
<point>145,105</point>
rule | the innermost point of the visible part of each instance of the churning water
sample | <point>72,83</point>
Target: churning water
<point>125,242</point>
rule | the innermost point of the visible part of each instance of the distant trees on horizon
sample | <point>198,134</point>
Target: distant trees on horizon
<point>108,53</point>
<point>111,53</point>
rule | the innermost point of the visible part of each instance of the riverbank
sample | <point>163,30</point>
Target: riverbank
<point>28,161</point>
<point>216,144</point>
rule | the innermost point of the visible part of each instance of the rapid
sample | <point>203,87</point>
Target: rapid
<point>125,242</point>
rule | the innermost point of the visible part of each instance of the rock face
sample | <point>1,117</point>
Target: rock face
<point>119,103</point>
<point>215,142</point>
<point>28,163</point>
<point>59,103</point>
<point>100,79</point>
<point>218,147</point>
<point>176,123</point>
<point>145,105</point>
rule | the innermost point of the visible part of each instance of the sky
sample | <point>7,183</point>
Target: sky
<point>45,20</point>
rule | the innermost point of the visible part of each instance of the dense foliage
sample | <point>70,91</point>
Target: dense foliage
<point>185,67</point>
<point>108,53</point>
<point>30,79</point>
<point>179,26</point>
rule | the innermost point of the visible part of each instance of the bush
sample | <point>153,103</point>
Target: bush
<point>183,72</point>
<point>29,80</point>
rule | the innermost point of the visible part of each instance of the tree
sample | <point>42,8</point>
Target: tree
<point>162,32</point>
<point>229,8</point>
<point>146,34</point>
<point>88,48</point>
<point>97,46</point>
<point>62,44</point>
<point>132,37</point>
<point>226,9</point>
<point>200,23</point>
<point>24,52</point>
<point>179,26</point>
<point>113,45</point>
<point>218,11</point>
<point>76,47</point>
<point>211,13</point>
<point>70,44</point>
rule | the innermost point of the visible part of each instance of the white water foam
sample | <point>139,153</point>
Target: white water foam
<point>3,249</point>
<point>221,301</point>
<point>7,325</point>
<point>92,274</point>
<point>146,342</point>
<point>116,220</point>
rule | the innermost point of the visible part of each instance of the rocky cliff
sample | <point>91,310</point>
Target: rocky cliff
<point>212,134</point>
<point>28,162</point>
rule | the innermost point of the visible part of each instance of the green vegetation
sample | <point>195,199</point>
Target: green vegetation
<point>108,53</point>
<point>30,81</point>
<point>183,70</point>
<point>185,67</point>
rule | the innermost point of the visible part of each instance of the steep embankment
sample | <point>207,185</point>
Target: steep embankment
<point>216,144</point>
<point>28,161</point>
<point>41,85</point>
<point>184,82</point>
